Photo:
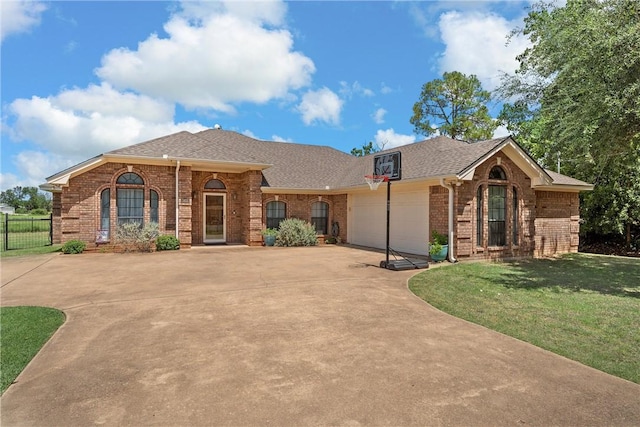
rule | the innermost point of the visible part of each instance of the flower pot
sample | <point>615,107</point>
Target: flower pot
<point>440,256</point>
<point>269,240</point>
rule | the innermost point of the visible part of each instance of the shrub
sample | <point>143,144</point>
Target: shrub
<point>269,232</point>
<point>21,210</point>
<point>74,247</point>
<point>136,238</point>
<point>437,242</point>
<point>39,212</point>
<point>296,232</point>
<point>167,243</point>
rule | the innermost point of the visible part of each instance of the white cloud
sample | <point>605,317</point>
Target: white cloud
<point>501,131</point>
<point>390,139</point>
<point>33,167</point>
<point>278,138</point>
<point>476,43</point>
<point>19,16</point>
<point>378,115</point>
<point>320,106</point>
<point>384,89</point>
<point>229,54</point>
<point>80,123</point>
<point>349,90</point>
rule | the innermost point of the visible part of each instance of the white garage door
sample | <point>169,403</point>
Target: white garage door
<point>409,225</point>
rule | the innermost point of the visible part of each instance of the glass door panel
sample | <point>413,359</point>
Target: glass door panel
<point>214,218</point>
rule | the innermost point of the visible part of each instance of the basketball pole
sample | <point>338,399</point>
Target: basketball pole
<point>388,215</point>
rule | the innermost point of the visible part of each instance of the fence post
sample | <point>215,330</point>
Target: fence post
<point>51,228</point>
<point>6,232</point>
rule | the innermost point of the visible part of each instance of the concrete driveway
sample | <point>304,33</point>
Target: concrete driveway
<point>279,336</point>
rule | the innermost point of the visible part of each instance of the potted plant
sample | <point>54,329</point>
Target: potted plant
<point>439,246</point>
<point>269,236</point>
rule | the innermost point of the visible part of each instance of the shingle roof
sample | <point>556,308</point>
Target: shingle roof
<point>435,157</point>
<point>559,179</point>
<point>300,166</point>
<point>294,165</point>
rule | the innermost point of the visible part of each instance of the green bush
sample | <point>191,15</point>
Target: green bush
<point>167,243</point>
<point>437,242</point>
<point>296,232</point>
<point>21,210</point>
<point>74,247</point>
<point>136,238</point>
<point>38,211</point>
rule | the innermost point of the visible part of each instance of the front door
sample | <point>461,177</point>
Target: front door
<point>215,230</point>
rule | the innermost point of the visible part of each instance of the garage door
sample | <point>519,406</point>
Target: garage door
<point>409,225</point>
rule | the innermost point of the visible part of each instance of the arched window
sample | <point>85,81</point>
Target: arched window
<point>276,212</point>
<point>320,217</point>
<point>479,216</point>
<point>514,216</point>
<point>497,173</point>
<point>130,198</point>
<point>130,178</point>
<point>214,184</point>
<point>153,206</point>
<point>497,215</point>
<point>105,211</point>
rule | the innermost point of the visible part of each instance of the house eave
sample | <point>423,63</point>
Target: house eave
<point>564,188</point>
<point>194,163</point>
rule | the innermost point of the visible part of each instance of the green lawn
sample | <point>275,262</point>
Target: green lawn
<point>23,331</point>
<point>31,251</point>
<point>584,307</point>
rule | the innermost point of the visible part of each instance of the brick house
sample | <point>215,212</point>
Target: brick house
<point>218,186</point>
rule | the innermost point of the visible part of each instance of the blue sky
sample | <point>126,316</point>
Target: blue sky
<point>82,78</point>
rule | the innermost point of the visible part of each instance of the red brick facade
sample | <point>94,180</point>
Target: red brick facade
<point>537,223</point>
<point>547,222</point>
<point>77,209</point>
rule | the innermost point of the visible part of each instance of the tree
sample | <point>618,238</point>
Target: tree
<point>365,150</point>
<point>27,198</point>
<point>455,106</point>
<point>580,82</point>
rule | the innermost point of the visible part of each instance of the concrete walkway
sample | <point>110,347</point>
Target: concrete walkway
<point>279,336</point>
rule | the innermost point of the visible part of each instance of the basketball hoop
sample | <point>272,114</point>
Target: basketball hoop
<point>374,181</point>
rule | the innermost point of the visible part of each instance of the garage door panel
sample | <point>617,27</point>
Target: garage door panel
<point>409,225</point>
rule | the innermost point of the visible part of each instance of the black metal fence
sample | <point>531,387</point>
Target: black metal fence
<point>22,232</point>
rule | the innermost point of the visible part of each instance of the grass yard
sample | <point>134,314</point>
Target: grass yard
<point>23,331</point>
<point>584,307</point>
<point>31,251</point>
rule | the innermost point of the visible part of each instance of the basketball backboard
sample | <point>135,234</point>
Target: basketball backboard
<point>388,164</point>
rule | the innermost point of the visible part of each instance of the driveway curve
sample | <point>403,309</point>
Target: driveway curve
<point>279,336</point>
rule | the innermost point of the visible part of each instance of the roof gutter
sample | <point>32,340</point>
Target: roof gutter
<point>450,252</point>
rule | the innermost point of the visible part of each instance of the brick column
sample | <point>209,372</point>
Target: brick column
<point>184,206</point>
<point>254,235</point>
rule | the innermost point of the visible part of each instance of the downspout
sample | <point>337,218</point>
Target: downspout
<point>177,201</point>
<point>451,250</point>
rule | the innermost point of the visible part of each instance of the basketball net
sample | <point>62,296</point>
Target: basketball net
<point>374,181</point>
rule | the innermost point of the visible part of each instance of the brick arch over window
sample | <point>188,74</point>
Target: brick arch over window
<point>201,185</point>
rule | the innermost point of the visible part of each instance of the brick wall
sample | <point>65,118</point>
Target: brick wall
<point>78,214</point>
<point>557,223</point>
<point>299,206</point>
<point>466,213</point>
<point>243,214</point>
